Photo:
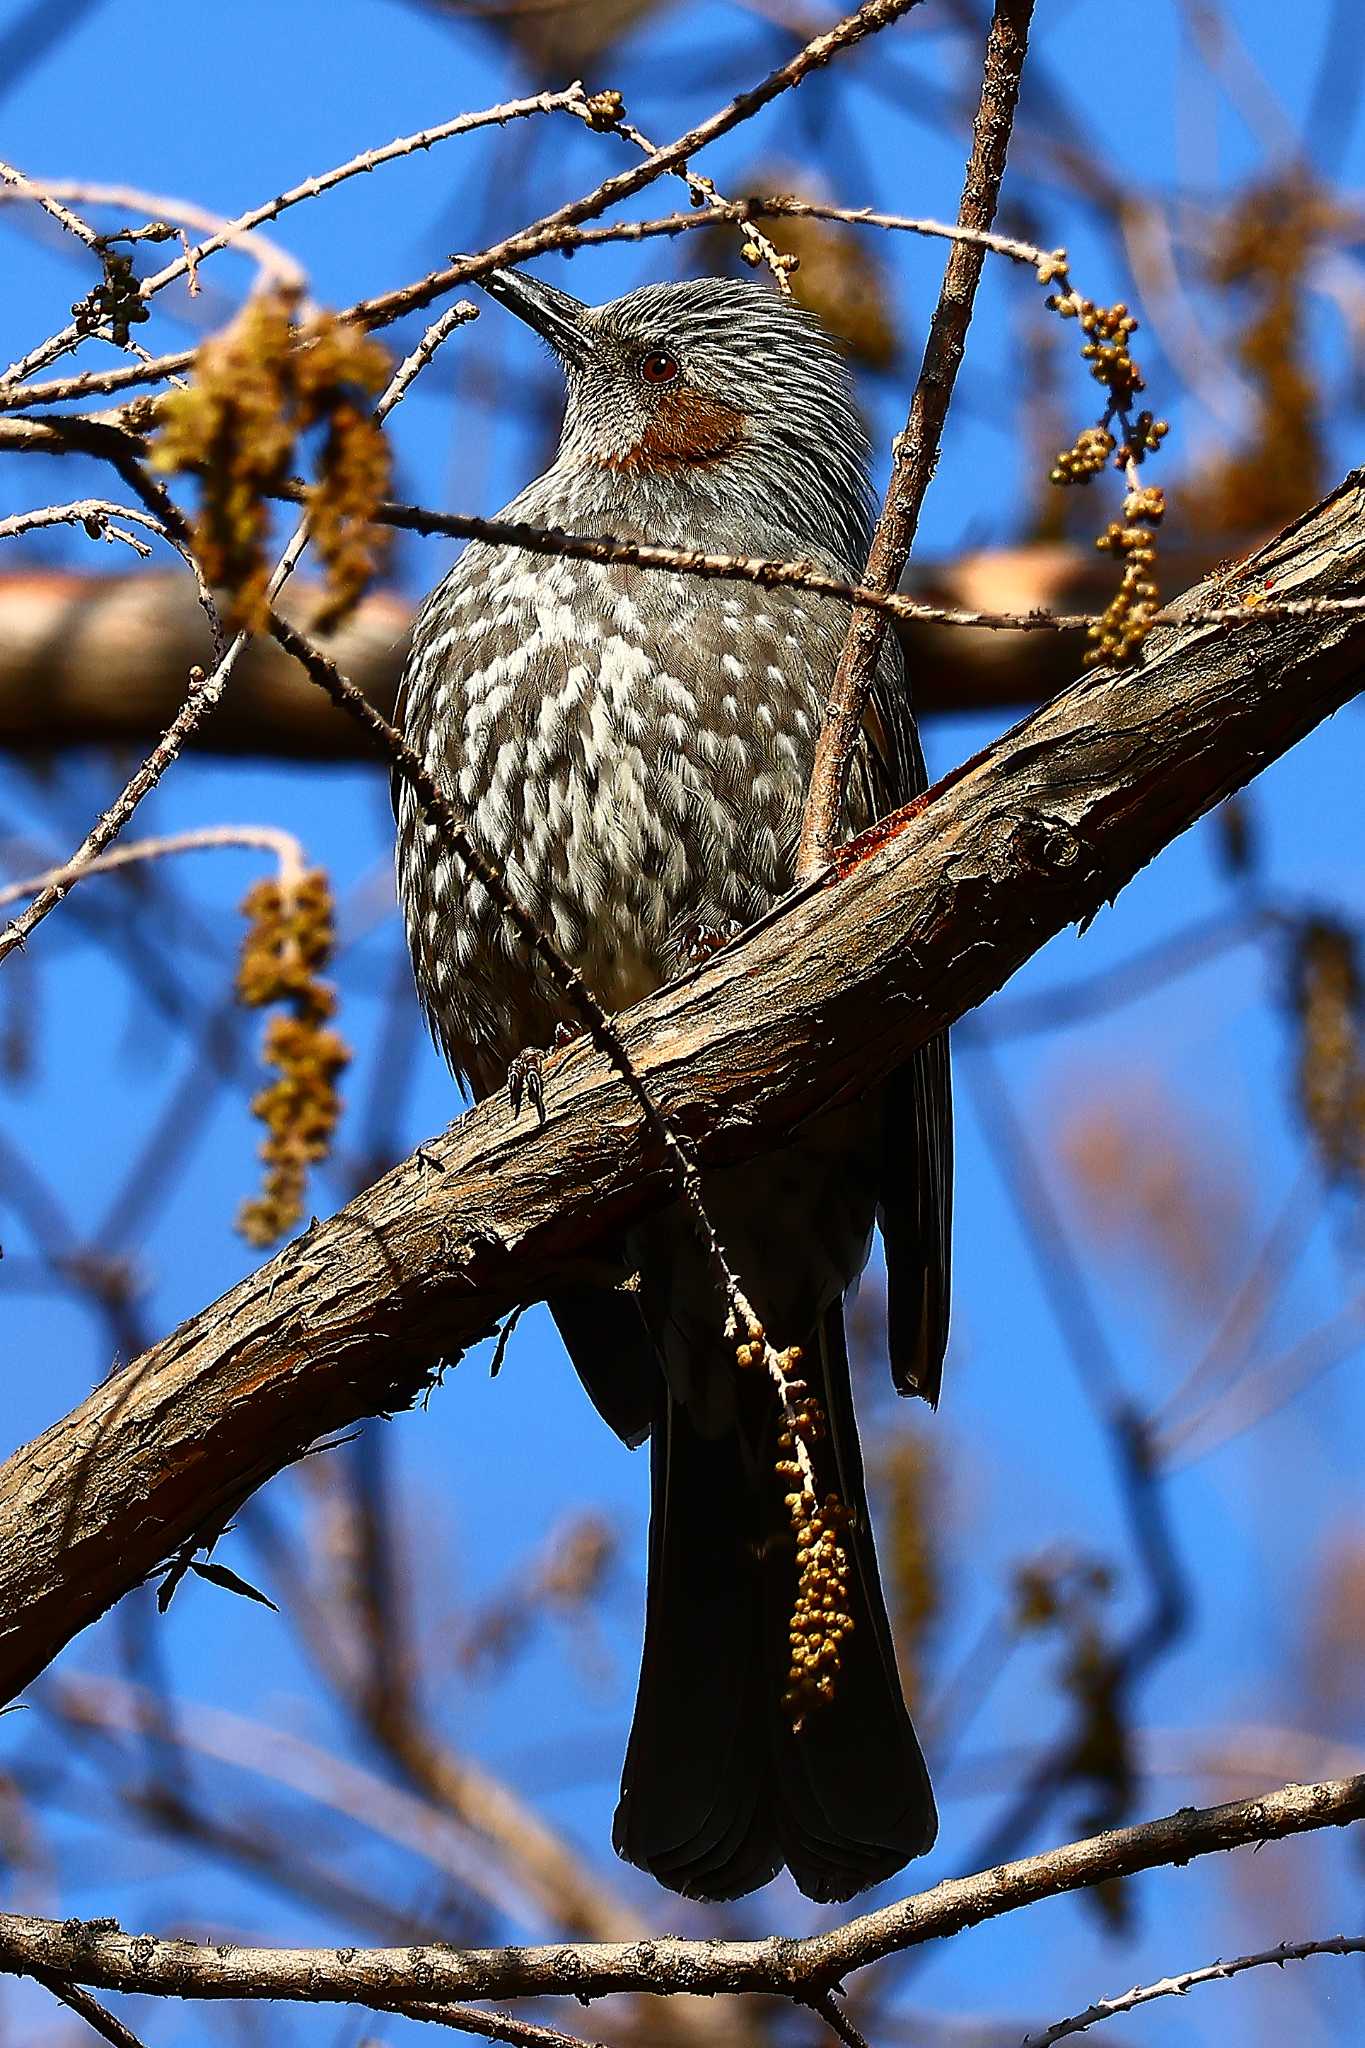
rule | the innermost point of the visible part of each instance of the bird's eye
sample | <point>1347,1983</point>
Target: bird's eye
<point>659,367</point>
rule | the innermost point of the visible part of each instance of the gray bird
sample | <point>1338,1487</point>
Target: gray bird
<point>633,748</point>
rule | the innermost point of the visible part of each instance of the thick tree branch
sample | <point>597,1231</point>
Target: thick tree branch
<point>390,1979</point>
<point>918,921</point>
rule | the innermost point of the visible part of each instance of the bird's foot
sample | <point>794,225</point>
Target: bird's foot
<point>698,940</point>
<point>526,1073</point>
<point>526,1081</point>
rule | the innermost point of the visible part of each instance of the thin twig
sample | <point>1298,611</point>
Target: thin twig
<point>273,839</point>
<point>742,212</point>
<point>244,223</point>
<point>715,207</point>
<point>549,232</point>
<point>1246,1311</point>
<point>441,815</point>
<point>1176,1987</point>
<point>159,212</point>
<point>1250,1398</point>
<point>96,2016</point>
<point>496,2026</point>
<point>204,692</point>
<point>96,515</point>
<point>59,435</point>
<point>51,204</point>
<point>545,233</point>
<point>827,2008</point>
<point>916,450</point>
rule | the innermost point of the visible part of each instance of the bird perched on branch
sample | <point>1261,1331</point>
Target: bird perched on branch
<point>633,748</point>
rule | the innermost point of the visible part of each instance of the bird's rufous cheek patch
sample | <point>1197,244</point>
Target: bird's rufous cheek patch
<point>687,427</point>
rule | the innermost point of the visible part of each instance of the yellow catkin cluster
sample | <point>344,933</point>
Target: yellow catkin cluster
<point>1127,618</point>
<point>1329,999</point>
<point>1118,635</point>
<point>288,940</point>
<point>1087,456</point>
<point>913,1491</point>
<point>257,388</point>
<point>820,1613</point>
<point>1261,259</point>
<point>1107,352</point>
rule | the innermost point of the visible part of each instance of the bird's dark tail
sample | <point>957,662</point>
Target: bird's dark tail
<point>720,1789</point>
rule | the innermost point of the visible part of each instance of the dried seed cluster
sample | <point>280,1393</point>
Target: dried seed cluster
<point>1087,456</point>
<point>258,387</point>
<point>1127,618</point>
<point>820,1613</point>
<point>1118,635</point>
<point>115,299</point>
<point>289,937</point>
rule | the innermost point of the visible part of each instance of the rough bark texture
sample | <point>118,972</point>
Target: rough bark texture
<point>918,921</point>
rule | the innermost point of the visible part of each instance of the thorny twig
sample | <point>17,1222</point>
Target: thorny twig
<point>744,1325</point>
<point>1177,1986</point>
<point>545,233</point>
<point>158,212</point>
<point>51,204</point>
<point>743,212</point>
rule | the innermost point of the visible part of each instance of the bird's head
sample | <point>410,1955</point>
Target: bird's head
<point>715,390</point>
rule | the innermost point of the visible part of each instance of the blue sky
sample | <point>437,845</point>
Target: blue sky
<point>228,103</point>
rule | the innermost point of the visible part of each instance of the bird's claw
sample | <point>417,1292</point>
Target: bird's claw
<point>526,1081</point>
<point>698,940</point>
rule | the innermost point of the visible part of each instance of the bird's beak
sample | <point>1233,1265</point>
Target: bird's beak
<point>557,318</point>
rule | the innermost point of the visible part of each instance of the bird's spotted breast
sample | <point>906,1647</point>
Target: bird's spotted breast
<point>633,750</point>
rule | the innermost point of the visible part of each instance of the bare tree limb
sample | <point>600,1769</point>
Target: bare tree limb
<point>389,1980</point>
<point>918,921</point>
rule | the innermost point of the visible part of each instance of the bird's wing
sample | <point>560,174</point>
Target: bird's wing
<point>916,1204</point>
